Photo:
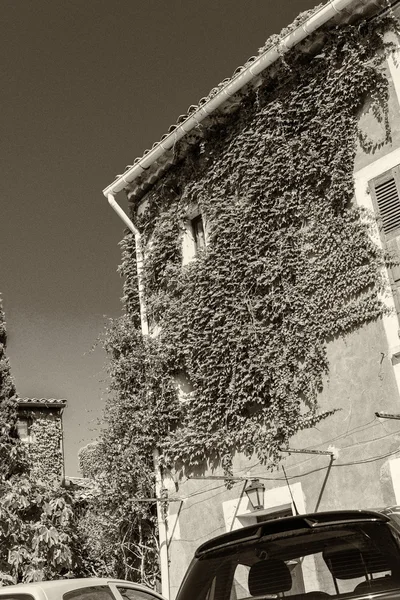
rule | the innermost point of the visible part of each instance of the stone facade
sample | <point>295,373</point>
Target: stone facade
<point>40,427</point>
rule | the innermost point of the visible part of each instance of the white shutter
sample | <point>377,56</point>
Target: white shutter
<point>385,192</point>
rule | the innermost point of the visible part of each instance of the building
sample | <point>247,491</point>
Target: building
<point>259,222</point>
<point>40,427</point>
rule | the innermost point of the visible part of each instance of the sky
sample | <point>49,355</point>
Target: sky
<point>87,86</point>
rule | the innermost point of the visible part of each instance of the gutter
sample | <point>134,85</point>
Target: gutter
<point>271,55</point>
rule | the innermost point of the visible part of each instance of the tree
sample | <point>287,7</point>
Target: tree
<point>11,459</point>
<point>37,519</point>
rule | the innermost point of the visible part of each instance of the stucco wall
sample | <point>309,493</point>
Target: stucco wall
<point>365,472</point>
<point>361,382</point>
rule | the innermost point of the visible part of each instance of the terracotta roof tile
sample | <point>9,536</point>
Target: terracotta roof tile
<point>359,8</point>
<point>59,402</point>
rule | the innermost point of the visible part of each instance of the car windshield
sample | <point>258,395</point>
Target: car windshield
<point>345,560</point>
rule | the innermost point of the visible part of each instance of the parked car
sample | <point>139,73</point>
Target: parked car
<point>340,554</point>
<point>79,589</point>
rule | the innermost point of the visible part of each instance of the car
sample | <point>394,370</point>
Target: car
<point>317,556</point>
<point>92,588</point>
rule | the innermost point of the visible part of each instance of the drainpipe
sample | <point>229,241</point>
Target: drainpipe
<point>162,524</point>
<point>245,76</point>
<point>139,258</point>
<point>162,528</point>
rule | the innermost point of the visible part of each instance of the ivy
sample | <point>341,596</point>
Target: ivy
<point>38,518</point>
<point>289,263</point>
<point>119,526</point>
<point>11,460</point>
<point>45,453</point>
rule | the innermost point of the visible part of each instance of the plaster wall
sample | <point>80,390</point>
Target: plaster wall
<point>363,469</point>
<point>361,381</point>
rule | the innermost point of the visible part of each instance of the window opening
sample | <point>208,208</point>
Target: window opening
<point>24,427</point>
<point>198,233</point>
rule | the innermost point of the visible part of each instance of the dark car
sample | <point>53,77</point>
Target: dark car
<point>340,554</point>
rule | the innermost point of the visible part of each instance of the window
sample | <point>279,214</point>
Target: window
<point>198,233</point>
<point>98,592</point>
<point>195,235</point>
<point>385,192</point>
<point>135,594</point>
<point>24,427</point>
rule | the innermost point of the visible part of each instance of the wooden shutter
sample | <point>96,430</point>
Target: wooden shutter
<point>385,192</point>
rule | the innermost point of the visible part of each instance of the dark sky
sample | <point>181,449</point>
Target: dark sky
<point>87,85</point>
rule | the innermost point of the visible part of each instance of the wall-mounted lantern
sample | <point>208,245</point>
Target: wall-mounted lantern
<point>255,493</point>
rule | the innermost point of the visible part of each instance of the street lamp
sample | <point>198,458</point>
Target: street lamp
<point>255,493</point>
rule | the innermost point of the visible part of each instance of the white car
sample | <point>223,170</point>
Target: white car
<point>94,588</point>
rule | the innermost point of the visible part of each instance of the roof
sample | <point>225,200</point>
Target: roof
<point>55,403</point>
<point>137,181</point>
<point>54,589</point>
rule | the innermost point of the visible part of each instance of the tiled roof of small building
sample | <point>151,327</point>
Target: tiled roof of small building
<point>46,402</point>
<point>360,8</point>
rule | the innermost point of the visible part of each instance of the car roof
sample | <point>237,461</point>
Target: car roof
<point>62,586</point>
<point>287,524</point>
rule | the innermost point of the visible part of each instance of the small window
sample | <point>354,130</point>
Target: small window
<point>24,427</point>
<point>194,236</point>
<point>198,233</point>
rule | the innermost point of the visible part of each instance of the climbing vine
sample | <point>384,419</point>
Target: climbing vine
<point>237,354</point>
<point>38,518</point>
<point>45,453</point>
<point>289,263</point>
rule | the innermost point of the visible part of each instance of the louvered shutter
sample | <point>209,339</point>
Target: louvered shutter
<point>385,192</point>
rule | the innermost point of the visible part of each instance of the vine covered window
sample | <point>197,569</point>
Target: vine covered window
<point>198,233</point>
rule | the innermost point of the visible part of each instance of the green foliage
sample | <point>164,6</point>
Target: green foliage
<point>11,461</point>
<point>38,519</point>
<point>289,263</point>
<point>45,453</point>
<point>89,458</point>
<point>37,539</point>
<point>120,529</point>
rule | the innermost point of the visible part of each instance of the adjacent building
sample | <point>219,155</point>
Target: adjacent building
<point>40,427</point>
<point>281,229</point>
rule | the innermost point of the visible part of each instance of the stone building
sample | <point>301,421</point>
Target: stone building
<point>40,427</point>
<point>351,458</point>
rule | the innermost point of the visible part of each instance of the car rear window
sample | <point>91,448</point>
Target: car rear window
<point>95,592</point>
<point>338,561</point>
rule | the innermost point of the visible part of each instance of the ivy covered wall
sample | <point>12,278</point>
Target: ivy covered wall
<point>276,328</point>
<point>45,452</point>
<point>289,263</point>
